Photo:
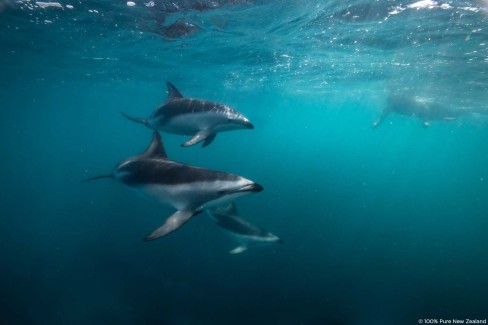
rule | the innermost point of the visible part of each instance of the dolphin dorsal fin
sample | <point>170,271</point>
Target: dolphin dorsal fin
<point>156,148</point>
<point>173,93</point>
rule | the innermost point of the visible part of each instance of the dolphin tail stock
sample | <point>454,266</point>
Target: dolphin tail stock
<point>139,120</point>
<point>97,177</point>
<point>174,222</point>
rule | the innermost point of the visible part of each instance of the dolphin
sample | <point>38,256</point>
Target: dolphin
<point>201,119</point>
<point>425,109</point>
<point>240,230</point>
<point>188,189</point>
<point>178,29</point>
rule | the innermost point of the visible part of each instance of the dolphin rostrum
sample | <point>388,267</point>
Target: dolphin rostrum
<point>201,119</point>
<point>240,230</point>
<point>188,189</point>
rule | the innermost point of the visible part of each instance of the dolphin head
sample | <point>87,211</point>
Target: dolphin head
<point>231,189</point>
<point>250,187</point>
<point>239,187</point>
<point>235,120</point>
<point>242,122</point>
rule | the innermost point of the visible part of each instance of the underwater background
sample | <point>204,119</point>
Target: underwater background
<point>380,226</point>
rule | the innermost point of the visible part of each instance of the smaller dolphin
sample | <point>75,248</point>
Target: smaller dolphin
<point>188,189</point>
<point>425,109</point>
<point>201,119</point>
<point>240,230</point>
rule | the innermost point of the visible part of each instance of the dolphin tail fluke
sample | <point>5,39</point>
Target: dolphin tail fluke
<point>97,177</point>
<point>178,219</point>
<point>238,249</point>
<point>139,120</point>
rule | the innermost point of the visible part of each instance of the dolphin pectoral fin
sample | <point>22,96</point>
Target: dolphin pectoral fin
<point>199,137</point>
<point>238,249</point>
<point>209,139</point>
<point>178,219</point>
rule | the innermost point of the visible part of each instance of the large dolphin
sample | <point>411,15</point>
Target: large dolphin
<point>425,109</point>
<point>188,189</point>
<point>201,119</point>
<point>240,230</point>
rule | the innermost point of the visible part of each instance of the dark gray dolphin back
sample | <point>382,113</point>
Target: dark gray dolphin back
<point>154,167</point>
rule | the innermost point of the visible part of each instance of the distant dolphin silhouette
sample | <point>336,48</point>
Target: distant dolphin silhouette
<point>178,29</point>
<point>240,230</point>
<point>188,189</point>
<point>423,108</point>
<point>197,117</point>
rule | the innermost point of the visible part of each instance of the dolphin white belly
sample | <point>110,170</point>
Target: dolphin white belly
<point>193,196</point>
<point>189,124</point>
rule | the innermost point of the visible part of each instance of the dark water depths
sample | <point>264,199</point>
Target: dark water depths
<point>381,226</point>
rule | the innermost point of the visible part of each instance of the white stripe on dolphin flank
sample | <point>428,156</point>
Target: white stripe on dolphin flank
<point>199,118</point>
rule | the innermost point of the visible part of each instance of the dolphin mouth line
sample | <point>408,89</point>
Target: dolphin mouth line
<point>251,188</point>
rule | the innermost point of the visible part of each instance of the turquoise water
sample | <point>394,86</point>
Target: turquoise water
<point>380,226</point>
